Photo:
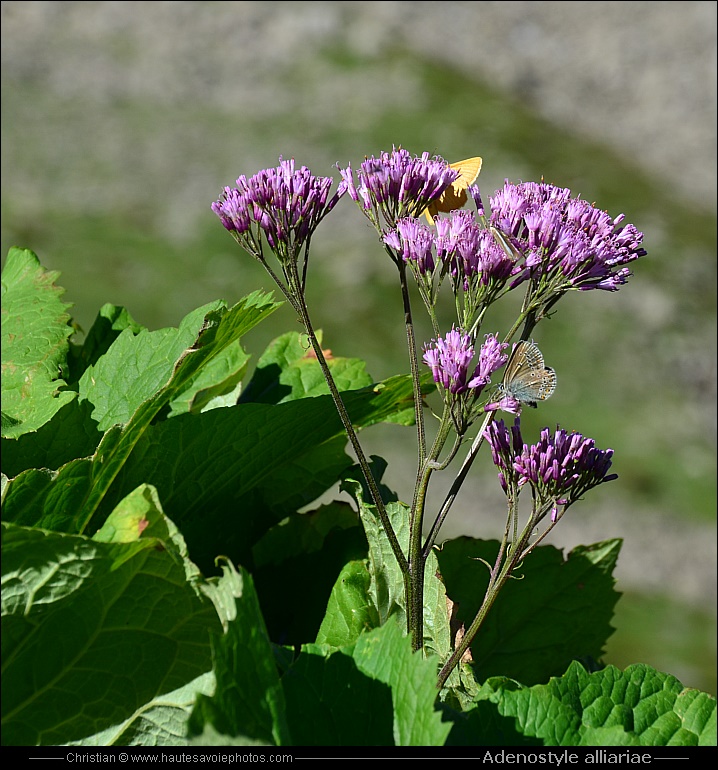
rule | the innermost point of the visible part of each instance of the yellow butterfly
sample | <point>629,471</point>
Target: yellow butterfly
<point>455,197</point>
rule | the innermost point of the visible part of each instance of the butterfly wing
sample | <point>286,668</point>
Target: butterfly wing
<point>454,197</point>
<point>505,244</point>
<point>526,378</point>
<point>530,352</point>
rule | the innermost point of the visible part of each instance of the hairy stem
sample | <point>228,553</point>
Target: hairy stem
<point>499,576</point>
<point>417,560</point>
<point>349,428</point>
<point>456,485</point>
<point>413,363</point>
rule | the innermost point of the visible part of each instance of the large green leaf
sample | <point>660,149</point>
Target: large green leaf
<point>636,707</point>
<point>288,370</point>
<point>386,590</point>
<point>214,471</point>
<point>375,691</point>
<point>35,333</point>
<point>201,353</point>
<point>84,485</point>
<point>72,432</point>
<point>386,655</point>
<point>296,563</point>
<point>161,722</point>
<point>331,702</point>
<point>559,611</point>
<point>248,700</point>
<point>99,634</point>
<point>110,322</point>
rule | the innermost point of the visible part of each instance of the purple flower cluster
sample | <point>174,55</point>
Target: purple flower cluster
<point>397,184</point>
<point>559,468</point>
<point>471,251</point>
<point>414,242</point>
<point>450,359</point>
<point>567,236</point>
<point>285,203</point>
<point>463,249</point>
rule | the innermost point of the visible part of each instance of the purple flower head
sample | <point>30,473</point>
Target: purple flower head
<point>233,210</point>
<point>505,444</point>
<point>491,358</point>
<point>507,403</point>
<point>414,242</point>
<point>471,252</point>
<point>489,260</point>
<point>453,234</point>
<point>285,203</point>
<point>397,185</point>
<point>560,467</point>
<point>450,359</point>
<point>475,194</point>
<point>564,236</point>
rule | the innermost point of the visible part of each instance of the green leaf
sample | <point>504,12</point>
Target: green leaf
<point>136,366</point>
<point>210,469</point>
<point>385,654</point>
<point>300,480</point>
<point>139,515</point>
<point>331,702</point>
<point>559,611</point>
<point>90,480</point>
<point>386,590</point>
<point>636,707</point>
<point>162,366</point>
<point>297,562</point>
<point>288,370</point>
<point>408,415</point>
<point>70,434</point>
<point>248,700</point>
<point>350,611</point>
<point>48,499</point>
<point>302,533</point>
<point>111,321</point>
<point>217,384</point>
<point>373,692</point>
<point>97,635</point>
<point>162,722</point>
<point>210,737</point>
<point>481,724</point>
<point>35,333</point>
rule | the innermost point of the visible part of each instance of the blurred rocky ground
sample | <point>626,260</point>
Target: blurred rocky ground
<point>639,76</point>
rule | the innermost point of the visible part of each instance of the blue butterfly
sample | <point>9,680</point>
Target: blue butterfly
<point>526,378</point>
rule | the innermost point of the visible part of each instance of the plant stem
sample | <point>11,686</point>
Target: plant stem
<point>415,583</point>
<point>417,560</point>
<point>348,427</point>
<point>413,363</point>
<point>498,579</point>
<point>456,485</point>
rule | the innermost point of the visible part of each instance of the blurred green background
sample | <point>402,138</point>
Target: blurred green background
<point>121,123</point>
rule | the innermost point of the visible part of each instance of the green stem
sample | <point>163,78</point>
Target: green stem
<point>496,583</point>
<point>456,485</point>
<point>417,560</point>
<point>348,427</point>
<point>415,584</point>
<point>413,363</point>
<point>458,653</point>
